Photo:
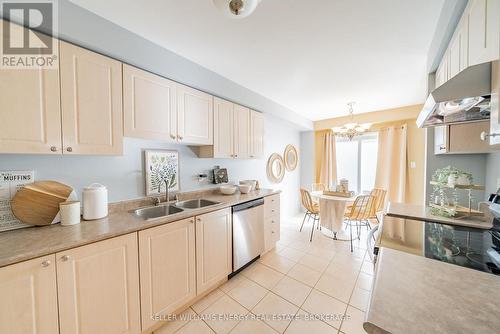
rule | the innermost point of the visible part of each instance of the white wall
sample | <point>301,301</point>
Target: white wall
<point>307,159</point>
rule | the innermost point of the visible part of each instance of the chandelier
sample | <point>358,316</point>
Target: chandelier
<point>351,129</point>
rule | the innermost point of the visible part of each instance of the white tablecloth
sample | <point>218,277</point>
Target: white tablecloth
<point>332,210</point>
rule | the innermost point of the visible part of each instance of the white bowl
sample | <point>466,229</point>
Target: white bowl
<point>252,183</point>
<point>228,190</point>
<point>245,188</point>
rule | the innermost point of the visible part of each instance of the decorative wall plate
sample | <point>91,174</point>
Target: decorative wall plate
<point>291,158</point>
<point>275,168</point>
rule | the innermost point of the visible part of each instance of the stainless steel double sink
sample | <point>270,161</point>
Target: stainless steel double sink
<point>164,210</point>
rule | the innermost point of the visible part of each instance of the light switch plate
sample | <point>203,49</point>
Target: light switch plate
<point>413,164</point>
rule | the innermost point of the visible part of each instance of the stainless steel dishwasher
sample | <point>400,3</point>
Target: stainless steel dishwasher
<point>248,232</point>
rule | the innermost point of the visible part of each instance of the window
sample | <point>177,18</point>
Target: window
<point>357,161</point>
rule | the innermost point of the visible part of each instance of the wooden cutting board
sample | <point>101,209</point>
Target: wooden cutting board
<point>38,203</point>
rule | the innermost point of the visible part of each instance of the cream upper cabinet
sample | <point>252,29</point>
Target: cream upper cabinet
<point>238,132</point>
<point>256,134</point>
<point>459,49</point>
<point>442,71</point>
<point>242,132</point>
<point>213,249</point>
<point>91,102</point>
<point>30,119</point>
<point>223,128</point>
<point>98,287</point>
<point>149,105</point>
<point>167,269</point>
<point>195,116</point>
<point>30,116</point>
<point>484,30</point>
<point>28,303</point>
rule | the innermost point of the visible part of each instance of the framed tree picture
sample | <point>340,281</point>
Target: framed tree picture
<point>162,170</point>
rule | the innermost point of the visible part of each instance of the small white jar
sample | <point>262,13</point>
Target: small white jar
<point>70,213</point>
<point>95,201</point>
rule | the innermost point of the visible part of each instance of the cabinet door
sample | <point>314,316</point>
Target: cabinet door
<point>30,116</point>
<point>466,138</point>
<point>454,56</point>
<point>484,34</point>
<point>149,105</point>
<point>213,249</point>
<point>167,269</point>
<point>28,303</point>
<point>91,101</point>
<point>98,287</point>
<point>241,132</point>
<point>271,221</point>
<point>195,116</point>
<point>256,134</point>
<point>440,139</point>
<point>464,43</point>
<point>223,128</point>
<point>442,71</point>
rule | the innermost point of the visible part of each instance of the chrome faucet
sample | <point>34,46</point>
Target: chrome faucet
<point>157,200</point>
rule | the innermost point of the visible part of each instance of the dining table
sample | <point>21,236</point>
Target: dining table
<point>332,212</point>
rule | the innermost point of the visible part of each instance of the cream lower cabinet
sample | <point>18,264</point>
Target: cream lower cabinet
<point>91,102</point>
<point>167,269</point>
<point>28,297</point>
<point>213,249</point>
<point>98,287</point>
<point>149,105</point>
<point>271,221</point>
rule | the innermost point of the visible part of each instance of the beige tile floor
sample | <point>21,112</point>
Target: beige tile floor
<point>298,278</point>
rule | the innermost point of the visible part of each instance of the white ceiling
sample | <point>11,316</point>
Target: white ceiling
<point>312,56</point>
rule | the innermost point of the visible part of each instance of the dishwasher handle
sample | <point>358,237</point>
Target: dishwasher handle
<point>248,205</point>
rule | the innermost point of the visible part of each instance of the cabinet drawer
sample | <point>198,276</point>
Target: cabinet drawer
<point>272,205</point>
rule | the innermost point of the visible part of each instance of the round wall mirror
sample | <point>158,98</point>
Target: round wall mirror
<point>275,168</point>
<point>291,158</point>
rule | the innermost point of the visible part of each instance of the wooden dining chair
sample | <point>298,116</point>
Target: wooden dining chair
<point>312,209</point>
<point>378,205</point>
<point>359,214</point>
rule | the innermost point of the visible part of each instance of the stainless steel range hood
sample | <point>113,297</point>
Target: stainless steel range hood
<point>463,98</point>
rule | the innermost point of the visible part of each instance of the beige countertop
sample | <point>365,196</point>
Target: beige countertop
<point>28,243</point>
<point>422,213</point>
<point>413,294</point>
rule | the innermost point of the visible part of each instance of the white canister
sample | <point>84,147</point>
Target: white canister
<point>70,212</point>
<point>95,201</point>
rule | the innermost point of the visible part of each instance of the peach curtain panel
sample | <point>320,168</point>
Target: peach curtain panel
<point>328,164</point>
<point>391,168</point>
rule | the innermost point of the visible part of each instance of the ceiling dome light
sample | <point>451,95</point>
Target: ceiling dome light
<point>236,8</point>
